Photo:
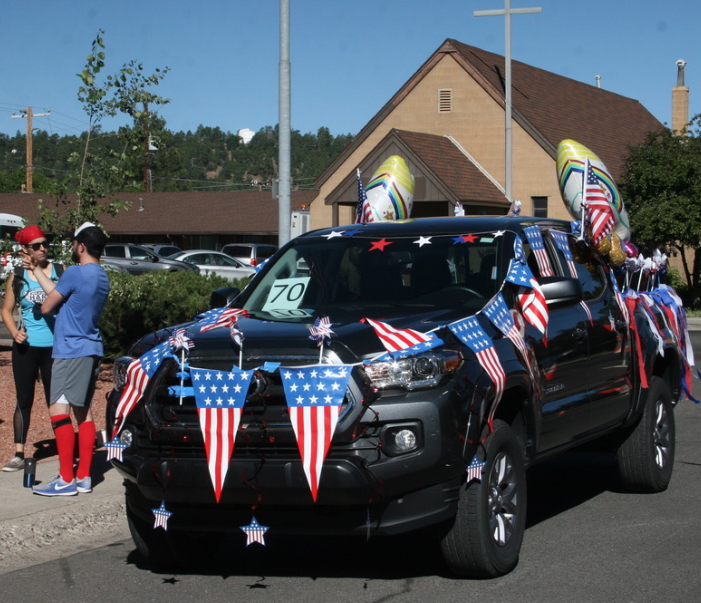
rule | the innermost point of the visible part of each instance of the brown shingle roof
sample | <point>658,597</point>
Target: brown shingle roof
<point>550,107</point>
<point>448,164</point>
<point>558,107</point>
<point>187,213</point>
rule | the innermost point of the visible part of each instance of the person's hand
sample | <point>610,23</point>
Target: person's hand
<point>21,336</point>
<point>28,262</point>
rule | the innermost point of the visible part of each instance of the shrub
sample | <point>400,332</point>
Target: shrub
<point>138,305</point>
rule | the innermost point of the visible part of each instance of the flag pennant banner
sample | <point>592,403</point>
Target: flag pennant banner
<point>139,373</point>
<point>500,316</point>
<point>529,295</point>
<point>161,515</point>
<point>402,342</point>
<point>219,318</point>
<point>535,240</point>
<point>220,397</point>
<point>471,333</point>
<point>254,532</point>
<point>563,244</point>
<point>314,397</point>
<point>598,209</point>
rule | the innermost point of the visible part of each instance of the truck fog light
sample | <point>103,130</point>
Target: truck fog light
<point>405,440</point>
<point>126,437</point>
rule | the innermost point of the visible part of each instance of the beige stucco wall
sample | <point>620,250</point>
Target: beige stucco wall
<point>476,122</point>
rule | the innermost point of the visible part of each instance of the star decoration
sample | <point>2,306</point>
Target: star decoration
<point>333,234</point>
<point>254,532</point>
<point>470,238</point>
<point>380,245</point>
<point>498,233</point>
<point>350,233</point>
<point>162,516</point>
<point>423,241</point>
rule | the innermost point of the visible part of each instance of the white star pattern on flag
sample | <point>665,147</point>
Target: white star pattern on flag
<point>314,412</point>
<point>254,532</point>
<point>535,240</point>
<point>219,416</point>
<point>162,515</point>
<point>139,374</point>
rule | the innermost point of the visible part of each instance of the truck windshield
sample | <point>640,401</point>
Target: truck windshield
<point>354,273</point>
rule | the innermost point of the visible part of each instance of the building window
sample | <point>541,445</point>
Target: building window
<point>540,207</point>
<point>445,100</point>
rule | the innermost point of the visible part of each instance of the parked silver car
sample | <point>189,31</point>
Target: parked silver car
<point>138,260</point>
<point>253,254</point>
<point>215,262</point>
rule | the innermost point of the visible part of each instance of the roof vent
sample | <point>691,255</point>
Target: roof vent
<point>445,100</point>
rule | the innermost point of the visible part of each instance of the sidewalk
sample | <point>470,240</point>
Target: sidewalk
<point>35,529</point>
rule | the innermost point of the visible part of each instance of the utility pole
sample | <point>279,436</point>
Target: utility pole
<point>507,12</point>
<point>284,128</point>
<point>147,175</point>
<point>29,187</point>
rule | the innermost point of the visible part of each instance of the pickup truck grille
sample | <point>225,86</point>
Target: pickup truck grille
<point>265,421</point>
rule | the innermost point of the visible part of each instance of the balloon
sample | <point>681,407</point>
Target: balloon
<point>616,255</point>
<point>571,157</point>
<point>390,191</point>
<point>630,249</point>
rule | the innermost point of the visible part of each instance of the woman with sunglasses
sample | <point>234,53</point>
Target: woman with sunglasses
<point>33,335</point>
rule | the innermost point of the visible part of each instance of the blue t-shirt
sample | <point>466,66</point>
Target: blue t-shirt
<point>85,289</point>
<point>39,328</point>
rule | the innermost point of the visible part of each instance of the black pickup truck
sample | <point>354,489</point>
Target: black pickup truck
<point>525,350</point>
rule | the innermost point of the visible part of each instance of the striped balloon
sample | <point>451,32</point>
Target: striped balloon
<point>390,192</point>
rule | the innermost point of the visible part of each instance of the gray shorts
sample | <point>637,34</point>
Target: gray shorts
<point>73,380</point>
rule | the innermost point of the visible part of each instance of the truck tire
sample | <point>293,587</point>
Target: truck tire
<point>486,536</point>
<point>646,457</point>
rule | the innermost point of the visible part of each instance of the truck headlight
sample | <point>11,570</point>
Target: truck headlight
<point>415,372</point>
<point>120,371</point>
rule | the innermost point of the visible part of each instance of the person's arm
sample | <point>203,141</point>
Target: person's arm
<point>8,307</point>
<point>53,300</point>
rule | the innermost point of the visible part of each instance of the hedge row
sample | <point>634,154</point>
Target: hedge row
<point>138,305</point>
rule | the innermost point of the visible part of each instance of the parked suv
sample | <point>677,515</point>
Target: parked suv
<point>252,254</point>
<point>457,357</point>
<point>138,260</point>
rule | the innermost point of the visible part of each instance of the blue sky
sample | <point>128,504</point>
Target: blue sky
<point>347,58</point>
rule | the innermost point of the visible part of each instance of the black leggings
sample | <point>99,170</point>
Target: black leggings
<point>27,363</point>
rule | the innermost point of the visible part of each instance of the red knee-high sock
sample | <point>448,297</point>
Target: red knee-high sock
<point>86,445</point>
<point>65,443</point>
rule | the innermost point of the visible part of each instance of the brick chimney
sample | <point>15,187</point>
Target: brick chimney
<point>680,101</point>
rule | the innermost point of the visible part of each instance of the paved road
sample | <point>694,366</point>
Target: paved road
<point>586,542</point>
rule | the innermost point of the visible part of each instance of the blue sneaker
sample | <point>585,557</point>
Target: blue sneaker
<point>84,486</point>
<point>56,486</point>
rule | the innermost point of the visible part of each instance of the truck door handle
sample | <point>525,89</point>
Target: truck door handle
<point>579,334</point>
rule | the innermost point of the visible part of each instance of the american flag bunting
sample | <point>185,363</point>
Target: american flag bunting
<point>220,397</point>
<point>314,399</point>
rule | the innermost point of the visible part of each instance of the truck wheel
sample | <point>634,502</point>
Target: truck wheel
<point>646,457</point>
<point>485,538</point>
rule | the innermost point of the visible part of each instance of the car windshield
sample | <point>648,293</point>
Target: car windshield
<point>317,275</point>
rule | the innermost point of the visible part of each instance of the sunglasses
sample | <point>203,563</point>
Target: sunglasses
<point>35,246</point>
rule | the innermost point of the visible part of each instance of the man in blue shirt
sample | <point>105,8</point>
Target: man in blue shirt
<point>78,299</point>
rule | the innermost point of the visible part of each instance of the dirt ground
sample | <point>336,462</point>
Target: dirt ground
<point>40,441</point>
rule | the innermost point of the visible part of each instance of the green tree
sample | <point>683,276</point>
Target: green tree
<point>661,185</point>
<point>103,174</point>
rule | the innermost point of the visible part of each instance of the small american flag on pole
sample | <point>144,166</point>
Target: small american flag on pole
<point>535,240</point>
<point>220,317</point>
<point>362,209</point>
<point>598,208</point>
